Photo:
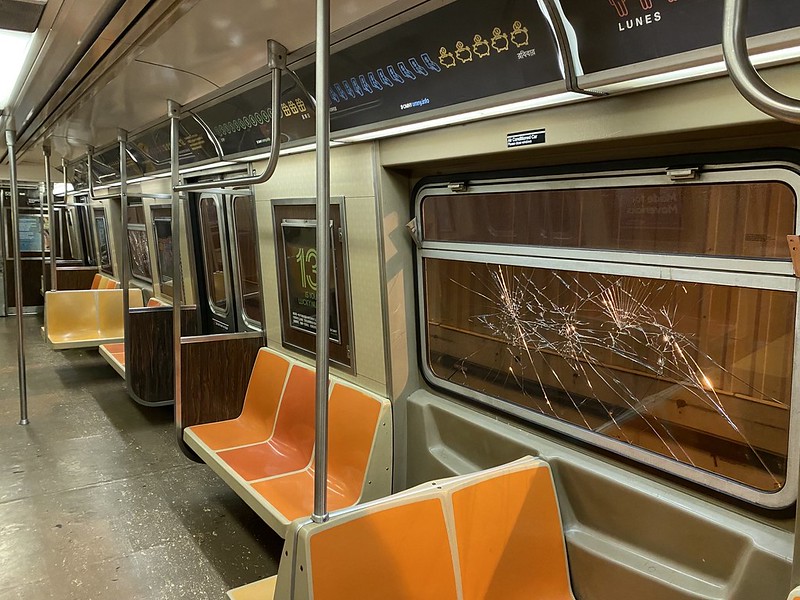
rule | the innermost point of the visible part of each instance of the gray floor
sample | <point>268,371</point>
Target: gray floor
<point>96,500</point>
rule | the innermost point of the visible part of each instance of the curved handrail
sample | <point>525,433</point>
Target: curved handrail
<point>276,59</point>
<point>742,72</point>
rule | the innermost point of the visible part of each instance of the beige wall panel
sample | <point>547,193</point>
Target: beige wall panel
<point>685,108</point>
<point>351,177</point>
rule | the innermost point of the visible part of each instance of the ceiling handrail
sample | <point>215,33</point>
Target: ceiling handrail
<point>742,72</point>
<point>276,60</point>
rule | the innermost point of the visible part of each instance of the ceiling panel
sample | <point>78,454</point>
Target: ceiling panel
<point>224,41</point>
<point>138,96</point>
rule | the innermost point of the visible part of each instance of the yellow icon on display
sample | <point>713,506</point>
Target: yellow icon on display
<point>519,35</point>
<point>463,53</point>
<point>499,40</point>
<point>446,58</point>
<point>480,47</point>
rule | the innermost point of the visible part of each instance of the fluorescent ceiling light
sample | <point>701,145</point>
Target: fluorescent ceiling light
<point>13,50</point>
<point>475,115</point>
<point>286,152</point>
<point>763,59</point>
<point>58,189</point>
<point>215,165</point>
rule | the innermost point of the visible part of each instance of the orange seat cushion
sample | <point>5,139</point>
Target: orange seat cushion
<point>510,540</point>
<point>255,423</point>
<point>352,419</point>
<point>395,554</point>
<point>292,443</point>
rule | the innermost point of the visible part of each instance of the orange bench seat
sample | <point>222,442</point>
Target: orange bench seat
<point>265,454</point>
<point>114,354</point>
<point>491,535</point>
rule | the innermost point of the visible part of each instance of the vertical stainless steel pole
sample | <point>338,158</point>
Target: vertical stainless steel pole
<point>53,252</point>
<point>122,138</point>
<point>48,184</point>
<point>174,112</point>
<point>11,139</point>
<point>323,260</point>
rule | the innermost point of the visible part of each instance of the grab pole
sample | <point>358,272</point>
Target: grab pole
<point>122,138</point>
<point>323,53</point>
<point>174,113</point>
<point>11,140</point>
<point>46,199</point>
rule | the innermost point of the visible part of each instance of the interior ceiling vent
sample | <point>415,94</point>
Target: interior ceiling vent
<point>21,15</point>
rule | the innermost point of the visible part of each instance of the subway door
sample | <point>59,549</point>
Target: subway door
<point>243,233</point>
<point>215,299</point>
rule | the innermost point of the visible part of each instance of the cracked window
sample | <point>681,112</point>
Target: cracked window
<point>699,373</point>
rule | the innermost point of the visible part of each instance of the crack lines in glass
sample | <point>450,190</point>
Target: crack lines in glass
<point>590,322</point>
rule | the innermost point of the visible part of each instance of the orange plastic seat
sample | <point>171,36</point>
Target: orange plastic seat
<point>114,355</point>
<point>154,303</point>
<point>395,554</point>
<point>500,524</point>
<point>256,421</point>
<point>291,445</point>
<point>491,535</point>
<point>96,281</point>
<point>352,419</point>
<point>111,284</point>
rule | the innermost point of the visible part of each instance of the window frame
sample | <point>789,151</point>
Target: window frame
<point>759,273</point>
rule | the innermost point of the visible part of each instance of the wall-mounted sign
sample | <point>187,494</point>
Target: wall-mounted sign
<point>615,33</point>
<point>525,138</point>
<point>30,234</point>
<point>463,51</point>
<point>300,252</point>
<point>244,122</point>
<point>296,250</point>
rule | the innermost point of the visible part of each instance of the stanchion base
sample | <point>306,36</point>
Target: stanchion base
<point>24,422</point>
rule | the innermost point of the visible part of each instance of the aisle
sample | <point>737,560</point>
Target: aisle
<point>96,500</point>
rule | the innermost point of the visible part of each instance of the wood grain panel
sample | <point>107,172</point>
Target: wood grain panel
<point>214,378</point>
<point>149,365</point>
<point>72,278</point>
<point>31,278</point>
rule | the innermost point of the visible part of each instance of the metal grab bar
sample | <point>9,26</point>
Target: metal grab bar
<point>742,72</point>
<point>90,166</point>
<point>276,60</point>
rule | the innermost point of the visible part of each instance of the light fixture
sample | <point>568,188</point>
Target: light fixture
<point>14,49</point>
<point>475,115</point>
<point>58,189</point>
<point>286,152</point>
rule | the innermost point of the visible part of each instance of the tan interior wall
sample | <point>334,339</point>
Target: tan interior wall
<point>352,178</point>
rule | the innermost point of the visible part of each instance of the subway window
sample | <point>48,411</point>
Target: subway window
<point>652,318</point>
<point>214,261</point>
<point>162,228</point>
<point>246,234</point>
<point>103,242</point>
<point>138,247</point>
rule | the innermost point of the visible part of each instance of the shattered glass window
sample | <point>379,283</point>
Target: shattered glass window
<point>699,373</point>
<point>139,253</point>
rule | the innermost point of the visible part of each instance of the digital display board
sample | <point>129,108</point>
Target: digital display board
<point>616,33</point>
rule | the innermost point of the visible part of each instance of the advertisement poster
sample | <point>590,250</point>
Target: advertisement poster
<point>299,244</point>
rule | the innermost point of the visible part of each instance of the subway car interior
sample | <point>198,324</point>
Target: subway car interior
<point>558,243</point>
